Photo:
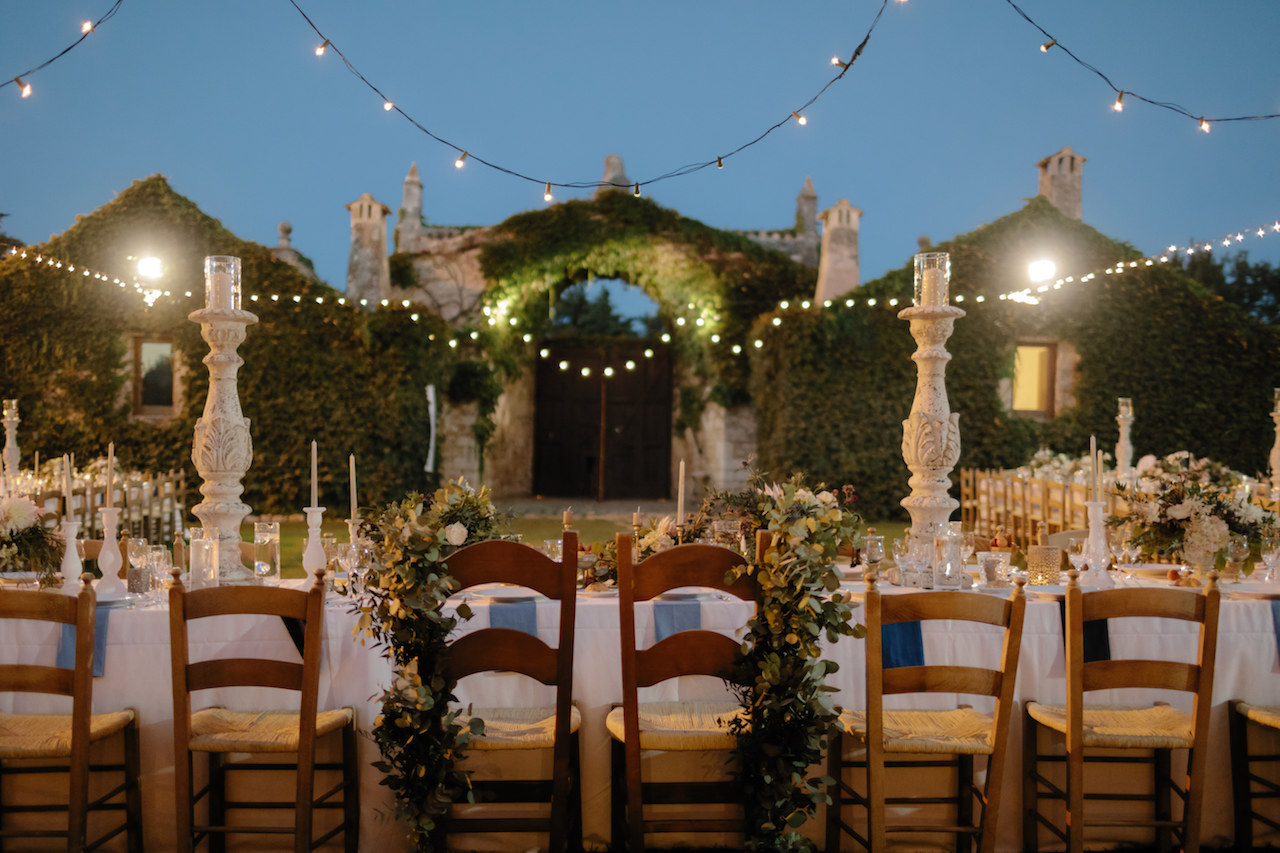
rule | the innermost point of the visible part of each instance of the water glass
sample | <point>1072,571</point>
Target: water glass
<point>725,533</point>
<point>551,547</point>
<point>203,564</point>
<point>266,551</point>
<point>160,562</point>
<point>138,576</point>
<point>341,561</point>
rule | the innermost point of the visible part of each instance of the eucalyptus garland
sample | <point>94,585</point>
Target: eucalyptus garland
<point>785,690</point>
<point>402,610</point>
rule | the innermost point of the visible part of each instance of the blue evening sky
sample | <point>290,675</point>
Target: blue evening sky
<point>935,130</point>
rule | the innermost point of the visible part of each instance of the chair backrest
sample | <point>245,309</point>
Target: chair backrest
<point>696,652</point>
<point>1077,512</point>
<point>506,649</point>
<point>1055,505</point>
<point>1004,613</point>
<point>77,610</point>
<point>305,606</point>
<point>1161,603</point>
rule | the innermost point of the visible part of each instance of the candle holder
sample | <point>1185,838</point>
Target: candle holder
<point>931,434</point>
<point>72,567</point>
<point>110,559</point>
<point>223,448</point>
<point>1275,451</point>
<point>313,558</point>
<point>1096,553</point>
<point>353,531</point>
<point>11,455</point>
<point>1124,449</point>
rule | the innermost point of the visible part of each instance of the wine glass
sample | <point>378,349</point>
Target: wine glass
<point>342,556</point>
<point>873,552</point>
<point>1270,554</point>
<point>968,546</point>
<point>160,562</point>
<point>1237,553</point>
<point>1076,553</point>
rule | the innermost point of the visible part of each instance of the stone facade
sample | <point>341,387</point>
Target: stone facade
<point>368,270</point>
<point>838,268</point>
<point>1061,178</point>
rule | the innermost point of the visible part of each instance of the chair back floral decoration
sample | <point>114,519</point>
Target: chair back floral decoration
<point>26,545</point>
<point>800,607</point>
<point>402,610</point>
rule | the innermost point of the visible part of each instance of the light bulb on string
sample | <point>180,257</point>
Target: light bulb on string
<point>388,106</point>
<point>800,120</point>
<point>546,193</point>
<point>1118,106</point>
<point>1044,48</point>
<point>86,27</point>
<point>719,162</point>
<point>835,60</point>
<point>23,88</point>
<point>636,191</point>
<point>461,161</point>
<point>1204,125</point>
<point>321,49</point>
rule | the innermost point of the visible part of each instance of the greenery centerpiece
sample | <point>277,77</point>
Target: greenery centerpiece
<point>785,692</point>
<point>402,610</point>
<point>26,545</point>
<point>1191,518</point>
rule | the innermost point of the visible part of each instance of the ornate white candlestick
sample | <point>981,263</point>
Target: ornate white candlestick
<point>353,530</point>
<point>1275,451</point>
<point>11,456</point>
<point>72,567</point>
<point>109,559</point>
<point>931,434</point>
<point>313,554</point>
<point>1124,449</point>
<point>223,449</point>
<point>1096,553</point>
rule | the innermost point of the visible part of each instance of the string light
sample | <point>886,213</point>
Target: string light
<point>636,192</point>
<point>1118,106</point>
<point>85,29</point>
<point>1204,125</point>
<point>800,120</point>
<point>388,106</point>
<point>24,89</point>
<point>322,48</point>
<point>1044,48</point>
<point>546,193</point>
<point>835,60</point>
<point>461,161</point>
<point>675,173</point>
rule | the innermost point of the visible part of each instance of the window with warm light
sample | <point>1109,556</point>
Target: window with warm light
<point>1033,380</point>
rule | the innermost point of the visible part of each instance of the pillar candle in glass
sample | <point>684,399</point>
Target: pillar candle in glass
<point>933,279</point>
<point>222,282</point>
<point>1126,406</point>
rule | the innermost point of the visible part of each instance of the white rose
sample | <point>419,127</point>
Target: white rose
<point>456,533</point>
<point>22,513</point>
<point>1186,509</point>
<point>1146,464</point>
<point>826,498</point>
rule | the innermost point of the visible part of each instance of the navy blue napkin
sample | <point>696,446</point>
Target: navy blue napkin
<point>1097,637</point>
<point>1275,621</point>
<point>672,617</point>
<point>901,644</point>
<point>67,644</point>
<point>516,615</point>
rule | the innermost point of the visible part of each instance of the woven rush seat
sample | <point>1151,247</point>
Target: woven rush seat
<point>49,735</point>
<point>681,726</point>
<point>956,731</point>
<point>1158,727</point>
<point>224,730</point>
<point>517,728</point>
<point>1263,715</point>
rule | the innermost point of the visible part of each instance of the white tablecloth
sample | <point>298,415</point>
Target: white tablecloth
<point>137,675</point>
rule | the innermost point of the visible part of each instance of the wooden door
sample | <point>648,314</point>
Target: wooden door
<point>602,424</point>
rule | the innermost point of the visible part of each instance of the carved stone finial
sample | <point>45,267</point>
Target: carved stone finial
<point>285,230</point>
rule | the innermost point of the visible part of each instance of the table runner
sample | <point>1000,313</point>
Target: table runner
<point>518,615</point>
<point>66,657</point>
<point>672,617</point>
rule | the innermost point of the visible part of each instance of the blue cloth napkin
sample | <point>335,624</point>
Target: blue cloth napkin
<point>901,644</point>
<point>516,615</point>
<point>1275,621</point>
<point>67,644</point>
<point>672,617</point>
<point>1097,637</point>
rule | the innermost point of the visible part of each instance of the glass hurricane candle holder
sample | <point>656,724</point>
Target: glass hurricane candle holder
<point>933,280</point>
<point>1126,407</point>
<point>222,282</point>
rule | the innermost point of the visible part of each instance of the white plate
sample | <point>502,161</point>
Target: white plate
<point>599,593</point>
<point>125,599</point>
<point>685,595</point>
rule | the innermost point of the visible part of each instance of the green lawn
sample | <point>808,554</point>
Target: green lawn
<point>534,529</point>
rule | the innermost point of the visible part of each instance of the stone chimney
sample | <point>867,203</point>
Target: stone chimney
<point>838,266</point>
<point>284,251</point>
<point>368,273</point>
<point>1060,180</point>
<point>807,208</point>
<point>615,175</point>
<point>409,221</point>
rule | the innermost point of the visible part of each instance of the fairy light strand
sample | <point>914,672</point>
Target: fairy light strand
<point>688,169</point>
<point>1200,120</point>
<point>86,29</point>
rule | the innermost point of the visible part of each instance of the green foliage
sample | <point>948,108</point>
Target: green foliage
<point>1254,287</point>
<point>400,268</point>
<point>579,315</point>
<point>727,279</point>
<point>477,382</point>
<point>353,381</point>
<point>402,610</point>
<point>783,673</point>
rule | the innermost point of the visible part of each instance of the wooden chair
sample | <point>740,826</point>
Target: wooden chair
<point>984,522</point>
<point>1000,511</point>
<point>1055,506</point>
<point>63,743</point>
<point>1017,517</point>
<point>522,727</point>
<point>672,726</point>
<point>969,498</point>
<point>961,733</point>
<point>1247,785</point>
<point>1157,729</point>
<point>1077,512</point>
<point>220,732</point>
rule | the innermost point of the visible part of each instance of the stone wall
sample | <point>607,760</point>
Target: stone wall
<point>508,458</point>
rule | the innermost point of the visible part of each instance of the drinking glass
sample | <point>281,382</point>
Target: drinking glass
<point>366,559</point>
<point>203,564</point>
<point>873,552</point>
<point>551,547</point>
<point>725,533</point>
<point>1270,554</point>
<point>266,551</point>
<point>138,576</point>
<point>968,546</point>
<point>1237,553</point>
<point>160,562</point>
<point>341,562</point>
<point>1076,554</point>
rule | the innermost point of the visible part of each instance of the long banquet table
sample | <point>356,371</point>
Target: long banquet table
<point>137,675</point>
